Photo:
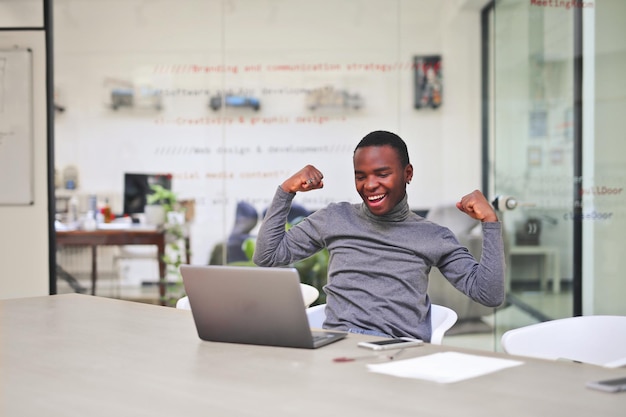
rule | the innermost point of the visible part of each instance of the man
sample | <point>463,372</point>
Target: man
<point>380,251</point>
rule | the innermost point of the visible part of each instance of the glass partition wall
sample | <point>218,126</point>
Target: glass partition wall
<point>229,98</point>
<point>603,193</point>
<point>232,97</point>
<point>534,156</point>
<point>556,155</point>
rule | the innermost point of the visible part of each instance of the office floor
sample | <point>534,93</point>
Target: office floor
<point>486,338</point>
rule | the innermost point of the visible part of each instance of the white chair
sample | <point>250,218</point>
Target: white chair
<point>309,295</point>
<point>183,303</point>
<point>598,340</point>
<point>316,315</point>
<point>442,319</point>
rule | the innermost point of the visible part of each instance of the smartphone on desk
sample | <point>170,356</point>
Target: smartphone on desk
<point>387,344</point>
<point>609,385</point>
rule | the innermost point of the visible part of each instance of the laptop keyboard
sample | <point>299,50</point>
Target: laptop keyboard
<point>317,336</point>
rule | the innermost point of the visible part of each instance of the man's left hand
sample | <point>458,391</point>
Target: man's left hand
<point>476,206</point>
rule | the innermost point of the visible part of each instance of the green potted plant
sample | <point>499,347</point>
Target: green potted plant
<point>162,196</point>
<point>160,202</point>
<point>167,202</point>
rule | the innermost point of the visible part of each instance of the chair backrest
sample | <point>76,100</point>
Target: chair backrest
<point>442,319</point>
<point>598,340</point>
<point>309,295</point>
<point>183,303</point>
<point>316,315</point>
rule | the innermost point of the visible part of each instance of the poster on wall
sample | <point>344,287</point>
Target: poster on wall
<point>16,127</point>
<point>428,81</point>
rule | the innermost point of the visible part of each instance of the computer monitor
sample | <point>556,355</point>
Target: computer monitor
<point>137,188</point>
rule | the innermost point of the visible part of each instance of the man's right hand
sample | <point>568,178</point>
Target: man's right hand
<point>307,179</point>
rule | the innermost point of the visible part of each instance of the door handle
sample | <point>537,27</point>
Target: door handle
<point>504,203</point>
<point>507,203</point>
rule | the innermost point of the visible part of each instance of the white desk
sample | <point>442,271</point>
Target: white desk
<point>550,264</point>
<point>80,355</point>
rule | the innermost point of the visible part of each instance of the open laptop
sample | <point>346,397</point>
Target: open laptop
<point>252,305</point>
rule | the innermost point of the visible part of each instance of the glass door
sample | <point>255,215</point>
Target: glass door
<point>557,157</point>
<point>533,152</point>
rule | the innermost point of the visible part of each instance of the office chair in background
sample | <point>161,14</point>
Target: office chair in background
<point>442,319</point>
<point>598,340</point>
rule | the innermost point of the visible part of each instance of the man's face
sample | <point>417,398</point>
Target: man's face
<point>380,178</point>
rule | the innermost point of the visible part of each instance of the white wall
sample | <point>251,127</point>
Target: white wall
<point>146,45</point>
<point>24,242</point>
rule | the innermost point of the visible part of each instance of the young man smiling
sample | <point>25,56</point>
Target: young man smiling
<point>380,251</point>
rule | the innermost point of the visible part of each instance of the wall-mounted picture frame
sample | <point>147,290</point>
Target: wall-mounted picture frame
<point>428,81</point>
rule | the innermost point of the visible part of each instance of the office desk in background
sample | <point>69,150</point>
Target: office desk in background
<point>550,265</point>
<point>78,355</point>
<point>116,237</point>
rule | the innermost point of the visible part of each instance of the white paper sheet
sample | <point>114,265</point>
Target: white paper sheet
<point>444,367</point>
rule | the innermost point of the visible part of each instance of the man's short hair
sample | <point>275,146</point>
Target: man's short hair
<point>382,138</point>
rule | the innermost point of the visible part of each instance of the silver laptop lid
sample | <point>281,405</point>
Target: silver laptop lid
<point>252,305</point>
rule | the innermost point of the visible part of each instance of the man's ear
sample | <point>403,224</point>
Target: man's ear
<point>408,173</point>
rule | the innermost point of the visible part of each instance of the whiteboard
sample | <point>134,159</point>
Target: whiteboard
<point>16,127</point>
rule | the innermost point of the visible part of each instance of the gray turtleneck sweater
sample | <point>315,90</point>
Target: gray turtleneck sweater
<point>378,266</point>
